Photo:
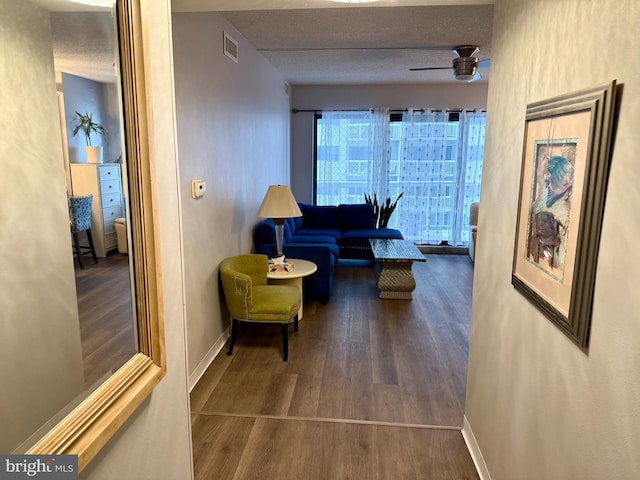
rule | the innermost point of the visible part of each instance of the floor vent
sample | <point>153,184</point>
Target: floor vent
<point>230,47</point>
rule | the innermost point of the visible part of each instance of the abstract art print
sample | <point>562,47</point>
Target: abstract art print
<point>561,201</point>
<point>550,204</point>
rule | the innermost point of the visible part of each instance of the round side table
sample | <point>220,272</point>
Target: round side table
<point>301,268</point>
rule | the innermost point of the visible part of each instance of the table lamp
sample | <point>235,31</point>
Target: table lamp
<point>278,204</point>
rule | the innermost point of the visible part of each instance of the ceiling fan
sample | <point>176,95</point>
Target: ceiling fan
<point>465,65</point>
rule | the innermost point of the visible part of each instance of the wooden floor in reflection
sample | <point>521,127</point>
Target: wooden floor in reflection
<point>106,321</point>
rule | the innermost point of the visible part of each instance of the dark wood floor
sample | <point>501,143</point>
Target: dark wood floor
<point>373,389</point>
<point>106,321</point>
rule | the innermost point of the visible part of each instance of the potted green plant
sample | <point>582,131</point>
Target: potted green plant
<point>88,126</point>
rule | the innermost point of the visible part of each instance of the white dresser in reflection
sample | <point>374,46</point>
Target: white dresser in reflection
<point>104,181</point>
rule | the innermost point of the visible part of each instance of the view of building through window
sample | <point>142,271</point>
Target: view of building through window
<point>433,157</point>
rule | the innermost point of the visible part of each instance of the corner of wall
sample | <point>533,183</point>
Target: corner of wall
<point>209,357</point>
<point>474,450</point>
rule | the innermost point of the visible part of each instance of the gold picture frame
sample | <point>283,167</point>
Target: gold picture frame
<point>565,165</point>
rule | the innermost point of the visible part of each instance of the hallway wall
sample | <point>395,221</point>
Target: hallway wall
<point>539,407</point>
<point>233,132</point>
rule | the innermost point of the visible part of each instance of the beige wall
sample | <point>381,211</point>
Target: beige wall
<point>317,97</point>
<point>155,443</point>
<point>40,355</point>
<point>233,132</point>
<point>539,407</point>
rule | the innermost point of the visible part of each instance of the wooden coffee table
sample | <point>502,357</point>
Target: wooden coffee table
<point>394,259</point>
<point>301,268</point>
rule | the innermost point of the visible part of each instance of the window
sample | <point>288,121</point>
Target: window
<point>433,157</point>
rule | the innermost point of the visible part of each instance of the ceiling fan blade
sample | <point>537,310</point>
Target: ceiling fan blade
<point>429,68</point>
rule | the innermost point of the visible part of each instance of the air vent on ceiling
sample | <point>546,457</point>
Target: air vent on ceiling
<point>230,47</point>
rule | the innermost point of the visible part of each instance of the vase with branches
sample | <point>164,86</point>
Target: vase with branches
<point>382,212</point>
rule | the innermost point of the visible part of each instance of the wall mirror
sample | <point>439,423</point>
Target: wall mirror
<point>81,347</point>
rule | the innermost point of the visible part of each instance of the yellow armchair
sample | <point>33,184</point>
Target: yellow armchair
<point>250,299</point>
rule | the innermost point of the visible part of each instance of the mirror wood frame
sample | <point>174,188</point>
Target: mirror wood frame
<point>91,424</point>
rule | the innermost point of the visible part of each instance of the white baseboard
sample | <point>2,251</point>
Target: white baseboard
<point>197,373</point>
<point>474,450</point>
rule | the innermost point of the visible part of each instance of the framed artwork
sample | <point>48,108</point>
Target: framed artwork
<point>565,165</point>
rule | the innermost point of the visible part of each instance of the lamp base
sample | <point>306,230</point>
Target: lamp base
<point>279,223</point>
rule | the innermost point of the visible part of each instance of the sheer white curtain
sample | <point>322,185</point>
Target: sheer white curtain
<point>439,168</point>
<point>425,176</point>
<point>380,149</point>
<point>472,130</point>
<point>434,159</point>
<point>352,155</point>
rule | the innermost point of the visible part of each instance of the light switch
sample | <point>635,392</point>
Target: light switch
<point>198,188</point>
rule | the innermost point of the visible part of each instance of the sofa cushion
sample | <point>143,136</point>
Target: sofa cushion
<point>319,216</point>
<point>368,233</point>
<point>328,239</point>
<point>289,228</point>
<point>319,232</point>
<point>264,232</point>
<point>333,247</point>
<point>352,216</point>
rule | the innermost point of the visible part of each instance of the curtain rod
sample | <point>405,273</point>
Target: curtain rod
<point>391,110</point>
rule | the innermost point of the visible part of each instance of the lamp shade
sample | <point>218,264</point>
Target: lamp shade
<point>279,202</point>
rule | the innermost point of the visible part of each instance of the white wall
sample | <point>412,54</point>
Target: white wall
<point>155,443</point>
<point>40,355</point>
<point>233,132</point>
<point>539,407</point>
<point>334,97</point>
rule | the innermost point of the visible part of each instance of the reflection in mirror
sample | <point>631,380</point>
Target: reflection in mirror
<point>68,321</point>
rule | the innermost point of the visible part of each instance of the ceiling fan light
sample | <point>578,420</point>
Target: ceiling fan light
<point>466,77</point>
<point>465,68</point>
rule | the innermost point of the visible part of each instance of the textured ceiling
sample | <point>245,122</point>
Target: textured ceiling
<point>83,39</point>
<point>357,43</point>
<point>84,44</point>
<point>365,45</point>
<point>353,44</point>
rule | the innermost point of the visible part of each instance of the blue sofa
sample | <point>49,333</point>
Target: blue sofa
<point>323,235</point>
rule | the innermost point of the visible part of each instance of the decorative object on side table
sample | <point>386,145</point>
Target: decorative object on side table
<point>279,204</point>
<point>563,180</point>
<point>279,265</point>
<point>89,126</point>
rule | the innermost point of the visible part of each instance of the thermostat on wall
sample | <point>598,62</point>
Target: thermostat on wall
<point>198,187</point>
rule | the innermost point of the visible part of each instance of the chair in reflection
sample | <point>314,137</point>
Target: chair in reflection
<point>250,299</point>
<point>80,214</point>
